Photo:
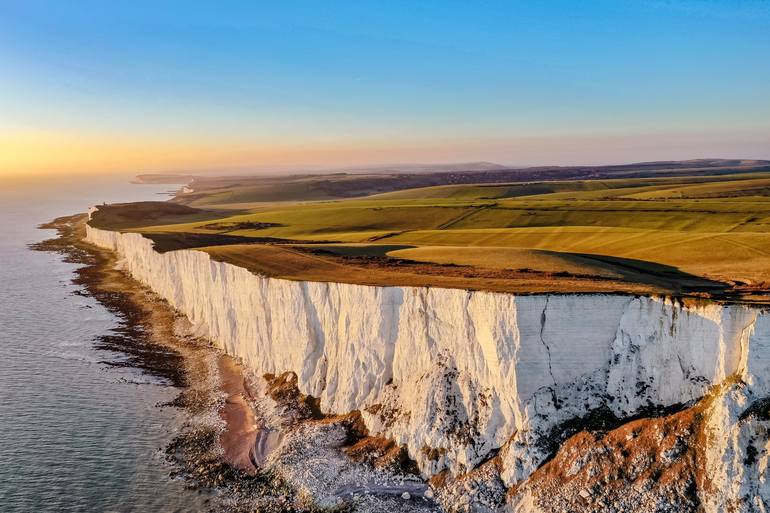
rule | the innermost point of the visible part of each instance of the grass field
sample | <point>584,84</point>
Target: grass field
<point>684,234</point>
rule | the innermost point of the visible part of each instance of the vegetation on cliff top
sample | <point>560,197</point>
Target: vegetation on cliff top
<point>675,230</point>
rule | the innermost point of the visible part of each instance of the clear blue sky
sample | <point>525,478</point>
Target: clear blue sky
<point>295,82</point>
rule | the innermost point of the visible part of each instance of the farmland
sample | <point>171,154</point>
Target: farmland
<point>691,233</point>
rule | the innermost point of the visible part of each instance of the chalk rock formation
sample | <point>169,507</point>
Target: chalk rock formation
<point>456,375</point>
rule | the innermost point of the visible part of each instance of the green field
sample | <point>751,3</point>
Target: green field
<point>688,235</point>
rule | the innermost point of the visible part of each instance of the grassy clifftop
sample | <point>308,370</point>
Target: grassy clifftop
<point>690,232</point>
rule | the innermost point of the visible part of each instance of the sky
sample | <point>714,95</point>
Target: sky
<point>150,86</point>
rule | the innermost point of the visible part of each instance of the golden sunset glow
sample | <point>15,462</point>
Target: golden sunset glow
<point>33,153</point>
<point>141,88</point>
<point>56,152</point>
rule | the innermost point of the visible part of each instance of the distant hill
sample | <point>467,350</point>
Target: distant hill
<point>160,178</point>
<point>365,182</point>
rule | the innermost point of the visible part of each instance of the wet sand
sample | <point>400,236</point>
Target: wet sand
<point>239,436</point>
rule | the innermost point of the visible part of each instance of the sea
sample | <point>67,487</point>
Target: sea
<point>79,431</point>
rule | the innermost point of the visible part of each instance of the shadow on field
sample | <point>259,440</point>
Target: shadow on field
<point>172,241</point>
<point>643,271</point>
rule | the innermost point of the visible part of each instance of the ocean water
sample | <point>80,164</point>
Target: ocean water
<point>76,433</point>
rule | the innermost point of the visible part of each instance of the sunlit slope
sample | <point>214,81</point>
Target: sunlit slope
<point>631,230</point>
<point>461,181</point>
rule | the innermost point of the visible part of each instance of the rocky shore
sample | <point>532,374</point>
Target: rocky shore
<point>251,443</point>
<point>152,337</point>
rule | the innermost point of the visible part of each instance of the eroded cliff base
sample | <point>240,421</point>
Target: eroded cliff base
<point>289,458</point>
<point>152,337</point>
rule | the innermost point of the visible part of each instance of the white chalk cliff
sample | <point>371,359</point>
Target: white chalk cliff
<point>456,375</point>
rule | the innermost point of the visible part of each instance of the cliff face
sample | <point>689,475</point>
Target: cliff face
<point>456,375</point>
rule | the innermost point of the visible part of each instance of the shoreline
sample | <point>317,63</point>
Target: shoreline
<point>250,443</point>
<point>211,450</point>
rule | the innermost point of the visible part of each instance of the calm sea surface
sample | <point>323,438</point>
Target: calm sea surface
<point>76,434</point>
